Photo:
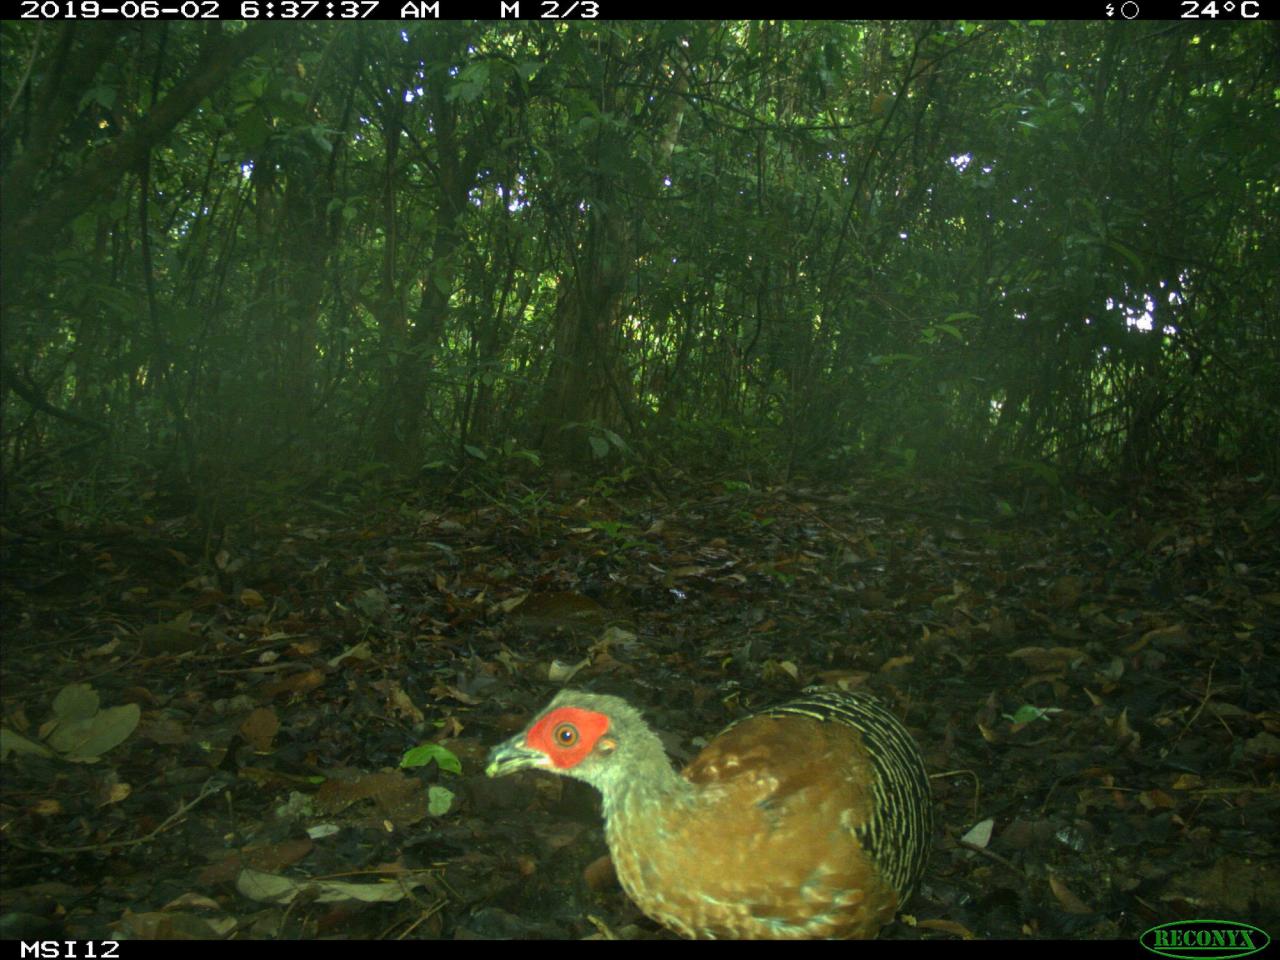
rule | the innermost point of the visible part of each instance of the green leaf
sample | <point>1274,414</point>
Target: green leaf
<point>1027,713</point>
<point>75,702</point>
<point>420,756</point>
<point>319,136</point>
<point>11,742</point>
<point>441,280</point>
<point>252,132</point>
<point>1127,253</point>
<point>439,800</point>
<point>616,440</point>
<point>470,83</point>
<point>91,738</point>
<point>103,96</point>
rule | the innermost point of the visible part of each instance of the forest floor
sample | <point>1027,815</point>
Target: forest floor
<point>282,734</point>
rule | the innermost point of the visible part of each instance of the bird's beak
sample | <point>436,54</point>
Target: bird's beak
<point>513,755</point>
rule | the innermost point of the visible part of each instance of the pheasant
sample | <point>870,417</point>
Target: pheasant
<point>808,819</point>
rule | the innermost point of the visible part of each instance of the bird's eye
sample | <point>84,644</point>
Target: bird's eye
<point>566,734</point>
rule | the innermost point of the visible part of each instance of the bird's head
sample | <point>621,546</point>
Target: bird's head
<point>588,736</point>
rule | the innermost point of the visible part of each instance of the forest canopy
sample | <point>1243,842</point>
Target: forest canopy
<point>238,251</point>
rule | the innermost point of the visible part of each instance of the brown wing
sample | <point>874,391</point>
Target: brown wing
<point>770,845</point>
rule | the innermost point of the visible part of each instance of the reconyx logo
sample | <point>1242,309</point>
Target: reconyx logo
<point>1204,939</point>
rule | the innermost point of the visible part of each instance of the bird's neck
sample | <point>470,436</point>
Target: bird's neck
<point>644,781</point>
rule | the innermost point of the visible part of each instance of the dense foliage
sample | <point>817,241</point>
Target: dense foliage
<point>233,253</point>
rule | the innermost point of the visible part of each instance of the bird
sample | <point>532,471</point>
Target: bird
<point>810,819</point>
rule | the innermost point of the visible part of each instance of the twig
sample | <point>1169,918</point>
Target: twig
<point>209,789</point>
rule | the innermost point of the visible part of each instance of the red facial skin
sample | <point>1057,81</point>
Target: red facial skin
<point>567,735</point>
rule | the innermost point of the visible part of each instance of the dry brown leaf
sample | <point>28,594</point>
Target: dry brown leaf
<point>1070,902</point>
<point>260,728</point>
